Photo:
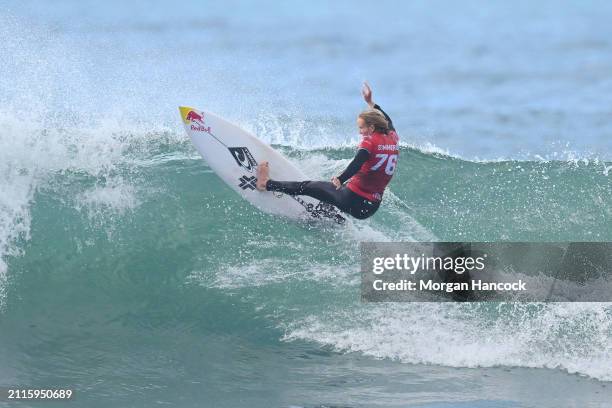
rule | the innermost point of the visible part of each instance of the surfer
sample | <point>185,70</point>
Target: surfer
<point>366,176</point>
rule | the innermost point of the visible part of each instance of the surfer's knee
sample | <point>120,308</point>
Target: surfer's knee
<point>362,213</point>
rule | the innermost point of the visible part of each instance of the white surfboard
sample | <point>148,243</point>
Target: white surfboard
<point>233,153</point>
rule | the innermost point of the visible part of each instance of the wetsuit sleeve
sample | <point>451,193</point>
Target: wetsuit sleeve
<point>361,157</point>
<point>386,116</point>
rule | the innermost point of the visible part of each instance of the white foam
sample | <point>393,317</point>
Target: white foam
<point>117,197</point>
<point>573,337</point>
<point>320,167</point>
<point>17,192</point>
<point>266,272</point>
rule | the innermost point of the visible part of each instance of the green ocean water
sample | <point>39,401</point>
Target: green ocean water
<point>150,281</point>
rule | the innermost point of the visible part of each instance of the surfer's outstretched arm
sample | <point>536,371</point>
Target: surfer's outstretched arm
<point>366,91</point>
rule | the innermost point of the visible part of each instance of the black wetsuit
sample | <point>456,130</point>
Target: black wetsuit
<point>343,198</point>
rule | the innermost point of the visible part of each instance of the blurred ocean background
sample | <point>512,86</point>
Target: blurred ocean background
<point>130,273</point>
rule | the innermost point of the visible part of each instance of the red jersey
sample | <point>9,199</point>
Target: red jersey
<point>374,175</point>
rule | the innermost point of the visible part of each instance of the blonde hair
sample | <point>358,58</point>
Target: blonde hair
<point>373,117</point>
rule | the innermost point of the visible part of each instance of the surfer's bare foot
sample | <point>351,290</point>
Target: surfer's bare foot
<point>263,171</point>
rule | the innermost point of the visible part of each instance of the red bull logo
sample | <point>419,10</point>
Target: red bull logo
<point>197,122</point>
<point>195,117</point>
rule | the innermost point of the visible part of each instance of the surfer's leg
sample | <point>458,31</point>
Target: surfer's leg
<point>286,187</point>
<point>321,190</point>
<point>324,191</point>
<point>344,199</point>
<point>357,206</point>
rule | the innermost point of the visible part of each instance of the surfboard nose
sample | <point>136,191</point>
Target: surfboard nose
<point>185,111</point>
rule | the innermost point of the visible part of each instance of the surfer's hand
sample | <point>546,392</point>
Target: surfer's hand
<point>336,182</point>
<point>366,91</point>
